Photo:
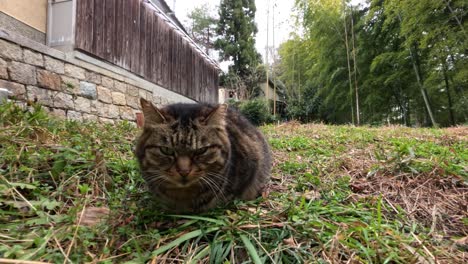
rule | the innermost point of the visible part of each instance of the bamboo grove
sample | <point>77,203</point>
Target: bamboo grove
<point>382,62</point>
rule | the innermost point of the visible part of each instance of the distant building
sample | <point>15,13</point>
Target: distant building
<point>226,94</point>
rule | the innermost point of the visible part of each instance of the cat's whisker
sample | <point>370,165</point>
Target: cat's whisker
<point>219,177</point>
<point>204,180</point>
<point>155,180</point>
<point>213,184</point>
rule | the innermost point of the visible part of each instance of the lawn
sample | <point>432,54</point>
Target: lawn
<point>71,192</point>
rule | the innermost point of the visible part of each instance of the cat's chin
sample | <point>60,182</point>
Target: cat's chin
<point>182,185</point>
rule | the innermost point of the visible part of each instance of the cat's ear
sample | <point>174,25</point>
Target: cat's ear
<point>151,113</point>
<point>217,116</point>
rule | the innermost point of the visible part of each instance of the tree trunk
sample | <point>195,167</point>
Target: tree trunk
<point>449,97</point>
<point>355,71</point>
<point>349,63</point>
<point>417,71</point>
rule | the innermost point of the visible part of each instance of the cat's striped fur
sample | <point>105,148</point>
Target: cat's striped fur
<point>197,156</point>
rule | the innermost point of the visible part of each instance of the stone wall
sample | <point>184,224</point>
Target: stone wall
<point>71,88</point>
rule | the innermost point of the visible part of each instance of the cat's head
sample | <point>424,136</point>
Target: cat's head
<point>183,144</point>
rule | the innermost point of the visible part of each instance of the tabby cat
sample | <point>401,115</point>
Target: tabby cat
<point>197,156</point>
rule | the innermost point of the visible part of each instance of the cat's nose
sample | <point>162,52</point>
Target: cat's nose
<point>183,173</point>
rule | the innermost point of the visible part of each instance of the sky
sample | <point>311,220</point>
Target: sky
<point>280,29</point>
<point>282,11</point>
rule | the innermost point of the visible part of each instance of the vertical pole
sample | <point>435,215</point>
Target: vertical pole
<point>267,88</point>
<point>274,59</point>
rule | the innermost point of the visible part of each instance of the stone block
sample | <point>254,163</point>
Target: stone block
<point>70,85</point>
<point>22,73</point>
<point>107,82</point>
<point>127,113</point>
<point>132,90</point>
<point>104,94</point>
<point>83,104</point>
<point>39,95</point>
<point>106,120</point>
<point>60,113</point>
<point>133,102</point>
<point>88,90</point>
<point>54,65</point>
<point>93,77</point>
<point>120,87</point>
<point>102,109</point>
<point>3,69</point>
<point>89,117</point>
<point>17,90</point>
<point>49,80</point>
<point>73,115</point>
<point>63,100</point>
<point>113,111</point>
<point>94,107</point>
<point>75,71</point>
<point>10,51</point>
<point>33,58</point>
<point>118,98</point>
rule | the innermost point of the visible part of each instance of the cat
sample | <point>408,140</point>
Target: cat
<point>195,157</point>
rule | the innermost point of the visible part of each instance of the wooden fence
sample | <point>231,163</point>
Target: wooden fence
<point>129,33</point>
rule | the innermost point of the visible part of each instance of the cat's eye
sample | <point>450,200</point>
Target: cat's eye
<point>201,151</point>
<point>166,151</point>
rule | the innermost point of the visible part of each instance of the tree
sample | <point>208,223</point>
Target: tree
<point>411,66</point>
<point>202,26</point>
<point>236,29</point>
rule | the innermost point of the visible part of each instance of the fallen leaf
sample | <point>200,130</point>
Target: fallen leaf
<point>312,195</point>
<point>290,242</point>
<point>92,216</point>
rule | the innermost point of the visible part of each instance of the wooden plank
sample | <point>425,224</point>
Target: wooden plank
<point>167,57</point>
<point>89,25</point>
<point>84,34</point>
<point>148,31</point>
<point>135,37</point>
<point>183,70</point>
<point>142,67</point>
<point>177,57</point>
<point>79,36</point>
<point>156,49</point>
<point>127,22</point>
<point>98,27</point>
<point>118,35</point>
<point>109,30</point>
<point>159,51</point>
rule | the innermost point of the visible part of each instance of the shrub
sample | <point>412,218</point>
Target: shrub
<point>256,111</point>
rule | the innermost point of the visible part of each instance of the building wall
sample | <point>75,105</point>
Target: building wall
<point>73,88</point>
<point>31,12</point>
<point>264,86</point>
<point>145,43</point>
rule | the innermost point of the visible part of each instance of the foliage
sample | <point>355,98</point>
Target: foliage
<point>323,204</point>
<point>246,87</point>
<point>237,29</point>
<point>256,111</point>
<point>202,26</point>
<point>404,51</point>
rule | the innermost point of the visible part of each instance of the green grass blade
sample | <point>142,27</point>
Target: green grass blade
<point>201,254</point>
<point>201,218</point>
<point>251,249</point>
<point>182,239</point>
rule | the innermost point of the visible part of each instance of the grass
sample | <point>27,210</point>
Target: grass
<point>71,193</point>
